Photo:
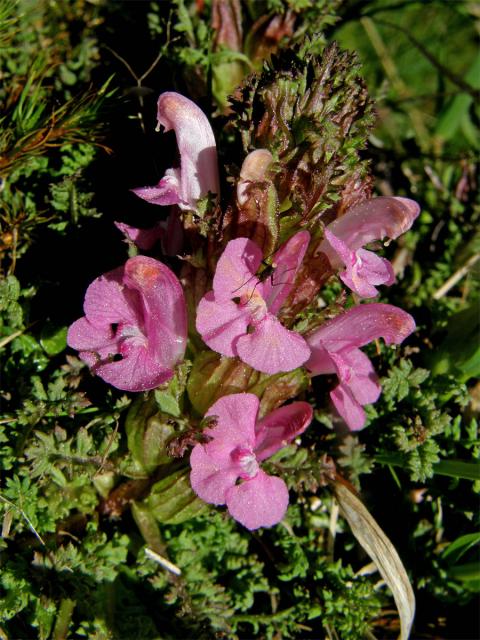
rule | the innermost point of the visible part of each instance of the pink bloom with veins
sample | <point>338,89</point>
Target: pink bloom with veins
<point>335,349</point>
<point>135,326</point>
<point>366,222</point>
<point>227,469</point>
<point>238,317</point>
<point>198,171</point>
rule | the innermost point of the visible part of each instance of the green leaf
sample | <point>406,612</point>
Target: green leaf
<point>453,468</point>
<point>170,398</point>
<point>456,112</point>
<point>172,500</point>
<point>459,353</point>
<point>460,546</point>
<point>467,573</point>
<point>148,432</point>
<point>458,469</point>
<point>53,339</point>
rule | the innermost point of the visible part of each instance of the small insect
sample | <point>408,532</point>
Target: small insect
<point>99,361</point>
<point>268,272</point>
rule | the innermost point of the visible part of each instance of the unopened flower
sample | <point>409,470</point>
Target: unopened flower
<point>254,169</point>
<point>198,171</point>
<point>135,326</point>
<point>238,318</point>
<point>227,469</point>
<point>384,217</point>
<point>335,349</point>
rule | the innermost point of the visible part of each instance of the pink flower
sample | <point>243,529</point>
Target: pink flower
<point>169,232</point>
<point>198,172</point>
<point>144,239</point>
<point>335,349</point>
<point>239,443</point>
<point>135,325</point>
<point>238,318</point>
<point>368,221</point>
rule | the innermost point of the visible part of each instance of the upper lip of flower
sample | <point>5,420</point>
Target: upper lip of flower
<point>198,171</point>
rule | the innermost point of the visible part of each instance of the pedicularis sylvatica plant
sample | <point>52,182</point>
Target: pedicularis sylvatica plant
<point>226,313</point>
<point>279,312</point>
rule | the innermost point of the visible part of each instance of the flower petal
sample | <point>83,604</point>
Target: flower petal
<point>213,467</point>
<point>84,336</point>
<point>107,301</point>
<point>136,371</point>
<point>374,269</point>
<point>356,372</point>
<point>320,362</point>
<point>362,324</point>
<point>209,479</point>
<point>165,315</point>
<point>167,191</point>
<point>236,268</point>
<point>368,270</point>
<point>363,269</point>
<point>348,407</point>
<point>144,239</point>
<point>221,323</point>
<point>288,260</point>
<point>338,252</point>
<point>272,348</point>
<point>260,502</point>
<point>236,416</point>
<point>375,219</point>
<point>280,427</point>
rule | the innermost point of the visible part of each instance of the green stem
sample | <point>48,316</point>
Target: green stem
<point>63,619</point>
<point>280,615</point>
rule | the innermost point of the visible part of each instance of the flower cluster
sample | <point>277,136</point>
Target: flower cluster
<point>140,317</point>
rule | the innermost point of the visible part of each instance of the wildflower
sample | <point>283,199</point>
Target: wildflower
<point>144,239</point>
<point>169,232</point>
<point>239,443</point>
<point>238,318</point>
<point>198,171</point>
<point>368,221</point>
<point>335,349</point>
<point>135,325</point>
